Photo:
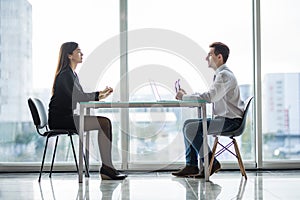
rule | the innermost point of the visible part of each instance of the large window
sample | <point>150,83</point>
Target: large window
<point>169,40</point>
<point>32,32</point>
<point>280,80</point>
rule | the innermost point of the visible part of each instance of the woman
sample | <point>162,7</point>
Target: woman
<point>66,93</point>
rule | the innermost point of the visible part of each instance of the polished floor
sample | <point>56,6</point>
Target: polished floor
<point>277,184</point>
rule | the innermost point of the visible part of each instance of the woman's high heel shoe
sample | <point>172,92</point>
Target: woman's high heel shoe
<point>108,173</point>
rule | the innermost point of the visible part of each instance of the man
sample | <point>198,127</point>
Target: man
<point>228,109</point>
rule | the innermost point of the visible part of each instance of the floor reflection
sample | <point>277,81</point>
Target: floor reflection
<point>137,187</point>
<point>84,190</point>
<point>51,193</point>
<point>209,190</point>
<point>156,185</point>
<point>108,188</point>
<point>199,188</point>
<point>242,187</point>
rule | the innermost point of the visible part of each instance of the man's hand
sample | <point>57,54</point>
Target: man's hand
<point>180,93</point>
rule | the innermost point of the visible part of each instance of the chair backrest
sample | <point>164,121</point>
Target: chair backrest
<point>241,129</point>
<point>246,108</point>
<point>38,113</point>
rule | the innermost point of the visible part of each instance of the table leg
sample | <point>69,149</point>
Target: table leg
<point>81,131</point>
<point>87,148</point>
<point>200,162</point>
<point>205,143</point>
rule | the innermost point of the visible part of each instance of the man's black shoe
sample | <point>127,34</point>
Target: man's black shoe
<point>187,171</point>
<point>216,167</point>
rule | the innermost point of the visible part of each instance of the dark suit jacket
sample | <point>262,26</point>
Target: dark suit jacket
<point>67,93</point>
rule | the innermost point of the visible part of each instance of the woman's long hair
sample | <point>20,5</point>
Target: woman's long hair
<point>63,60</point>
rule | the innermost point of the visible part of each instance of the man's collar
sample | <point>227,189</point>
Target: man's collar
<point>220,68</point>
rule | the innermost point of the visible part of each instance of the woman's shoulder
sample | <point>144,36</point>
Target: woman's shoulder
<point>67,71</point>
<point>65,75</point>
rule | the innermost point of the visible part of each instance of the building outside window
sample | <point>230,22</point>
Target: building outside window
<point>281,80</point>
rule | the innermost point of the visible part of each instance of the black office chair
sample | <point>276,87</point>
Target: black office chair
<point>40,121</point>
<point>232,135</point>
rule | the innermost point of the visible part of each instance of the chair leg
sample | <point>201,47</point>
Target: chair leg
<point>53,157</point>
<point>87,174</point>
<point>44,155</point>
<point>74,154</point>
<point>242,168</point>
<point>213,154</point>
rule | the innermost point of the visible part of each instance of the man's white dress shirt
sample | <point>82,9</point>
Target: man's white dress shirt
<point>224,93</point>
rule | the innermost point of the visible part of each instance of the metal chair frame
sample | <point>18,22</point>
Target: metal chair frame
<point>40,120</point>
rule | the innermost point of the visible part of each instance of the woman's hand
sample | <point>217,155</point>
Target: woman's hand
<point>180,94</point>
<point>105,93</point>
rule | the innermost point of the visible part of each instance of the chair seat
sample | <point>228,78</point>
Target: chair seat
<point>230,134</point>
<point>56,132</point>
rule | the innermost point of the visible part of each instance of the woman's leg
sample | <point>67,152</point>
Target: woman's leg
<point>105,141</point>
<point>104,127</point>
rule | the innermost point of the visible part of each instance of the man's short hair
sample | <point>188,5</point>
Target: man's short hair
<point>222,49</point>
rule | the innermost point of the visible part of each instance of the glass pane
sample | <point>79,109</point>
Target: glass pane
<point>169,40</point>
<point>31,34</point>
<point>281,79</point>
